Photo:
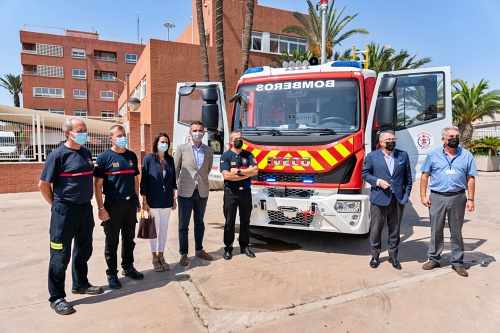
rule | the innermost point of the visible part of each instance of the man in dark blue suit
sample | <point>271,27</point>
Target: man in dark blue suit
<point>388,171</point>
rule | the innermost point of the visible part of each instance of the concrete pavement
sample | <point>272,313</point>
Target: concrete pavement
<point>299,282</point>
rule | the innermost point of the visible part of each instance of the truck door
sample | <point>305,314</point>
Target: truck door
<point>188,108</point>
<point>422,110</point>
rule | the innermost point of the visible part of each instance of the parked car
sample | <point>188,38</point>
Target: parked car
<point>8,146</point>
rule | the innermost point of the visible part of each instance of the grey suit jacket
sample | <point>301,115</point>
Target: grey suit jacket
<point>187,171</point>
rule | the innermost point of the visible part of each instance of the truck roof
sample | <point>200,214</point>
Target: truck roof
<point>329,67</point>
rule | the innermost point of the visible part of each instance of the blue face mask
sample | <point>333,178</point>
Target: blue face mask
<point>122,142</point>
<point>163,147</point>
<point>80,138</point>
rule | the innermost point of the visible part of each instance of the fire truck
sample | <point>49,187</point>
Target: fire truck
<point>310,128</point>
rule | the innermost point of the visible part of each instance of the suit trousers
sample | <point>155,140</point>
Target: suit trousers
<point>197,205</point>
<point>69,221</point>
<point>237,199</point>
<point>454,208</point>
<point>122,217</point>
<point>393,214</point>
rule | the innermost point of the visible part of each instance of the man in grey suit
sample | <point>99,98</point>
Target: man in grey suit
<point>388,171</point>
<point>193,162</point>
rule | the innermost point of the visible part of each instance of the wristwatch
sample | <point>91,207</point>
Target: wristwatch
<point>238,172</point>
<point>470,199</point>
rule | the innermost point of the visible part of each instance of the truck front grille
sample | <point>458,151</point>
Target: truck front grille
<point>277,216</point>
<point>290,193</point>
<point>289,177</point>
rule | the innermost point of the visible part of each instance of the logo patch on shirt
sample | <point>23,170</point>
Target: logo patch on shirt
<point>131,163</point>
<point>116,164</point>
<point>244,160</point>
<point>89,161</point>
<point>233,163</point>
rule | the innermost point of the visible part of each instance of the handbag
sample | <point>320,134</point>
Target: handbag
<point>147,226</point>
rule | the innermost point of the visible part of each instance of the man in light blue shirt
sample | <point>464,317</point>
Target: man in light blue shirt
<point>451,170</point>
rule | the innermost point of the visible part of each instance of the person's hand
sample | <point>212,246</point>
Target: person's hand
<point>103,214</point>
<point>425,201</point>
<point>234,170</point>
<point>174,206</point>
<point>145,206</point>
<point>469,206</point>
<point>384,184</point>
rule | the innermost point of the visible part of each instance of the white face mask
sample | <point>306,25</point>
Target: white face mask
<point>197,136</point>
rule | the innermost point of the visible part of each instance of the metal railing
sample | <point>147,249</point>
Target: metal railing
<point>479,134</point>
<point>105,58</point>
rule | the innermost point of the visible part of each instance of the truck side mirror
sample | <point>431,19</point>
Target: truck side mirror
<point>210,110</point>
<point>386,105</point>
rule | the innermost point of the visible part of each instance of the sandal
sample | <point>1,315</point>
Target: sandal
<point>165,266</point>
<point>159,267</point>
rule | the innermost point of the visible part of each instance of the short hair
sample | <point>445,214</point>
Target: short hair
<point>155,143</point>
<point>196,122</point>
<point>68,123</point>
<point>120,127</point>
<point>233,133</point>
<point>385,132</point>
<point>449,128</point>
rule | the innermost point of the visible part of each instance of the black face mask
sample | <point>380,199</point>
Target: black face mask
<point>390,145</point>
<point>238,144</point>
<point>453,142</point>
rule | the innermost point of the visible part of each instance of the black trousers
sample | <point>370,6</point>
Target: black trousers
<point>378,215</point>
<point>234,199</point>
<point>68,221</point>
<point>122,216</point>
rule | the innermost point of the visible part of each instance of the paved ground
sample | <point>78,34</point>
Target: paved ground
<point>299,282</point>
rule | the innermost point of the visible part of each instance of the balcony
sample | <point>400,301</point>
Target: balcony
<point>104,78</point>
<point>105,58</point>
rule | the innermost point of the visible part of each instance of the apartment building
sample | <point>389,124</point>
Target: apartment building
<point>74,72</point>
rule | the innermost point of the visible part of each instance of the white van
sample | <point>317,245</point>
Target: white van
<point>8,146</point>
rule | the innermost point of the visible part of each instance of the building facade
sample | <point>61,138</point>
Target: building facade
<point>74,73</point>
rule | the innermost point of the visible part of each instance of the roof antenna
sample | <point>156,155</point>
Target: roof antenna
<point>138,40</point>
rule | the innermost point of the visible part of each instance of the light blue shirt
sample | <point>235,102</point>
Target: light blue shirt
<point>389,160</point>
<point>449,175</point>
<point>199,155</point>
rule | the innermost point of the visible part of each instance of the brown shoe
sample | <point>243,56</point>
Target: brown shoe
<point>430,265</point>
<point>202,254</point>
<point>460,271</point>
<point>184,260</point>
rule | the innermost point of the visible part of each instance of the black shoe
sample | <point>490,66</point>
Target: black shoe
<point>132,273</point>
<point>395,263</point>
<point>62,307</point>
<point>113,282</point>
<point>89,290</point>
<point>248,252</point>
<point>228,255</point>
<point>374,263</point>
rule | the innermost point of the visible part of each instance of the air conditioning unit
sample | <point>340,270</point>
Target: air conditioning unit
<point>89,52</point>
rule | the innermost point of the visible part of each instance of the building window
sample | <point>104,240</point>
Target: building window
<point>50,71</point>
<point>143,88</point>
<point>55,111</point>
<point>108,76</point>
<point>79,74</point>
<point>78,53</point>
<point>256,41</point>
<point>131,58</point>
<point>79,94</point>
<point>107,95</point>
<point>107,114</point>
<point>80,113</point>
<point>48,92</point>
<point>280,44</point>
<point>123,110</point>
<point>49,50</point>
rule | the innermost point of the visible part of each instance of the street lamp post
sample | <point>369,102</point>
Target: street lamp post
<point>169,25</point>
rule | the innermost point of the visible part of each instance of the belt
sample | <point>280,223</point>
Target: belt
<point>241,188</point>
<point>126,198</point>
<point>448,194</point>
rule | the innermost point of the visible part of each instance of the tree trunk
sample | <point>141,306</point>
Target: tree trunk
<point>203,40</point>
<point>466,132</point>
<point>248,35</point>
<point>16,100</point>
<point>219,42</point>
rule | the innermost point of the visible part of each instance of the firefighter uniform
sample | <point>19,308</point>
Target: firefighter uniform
<point>237,194</point>
<point>118,171</point>
<point>70,173</point>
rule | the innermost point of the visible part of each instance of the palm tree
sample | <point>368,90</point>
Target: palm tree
<point>471,104</point>
<point>247,37</point>
<point>219,42</point>
<point>203,39</point>
<point>310,29</point>
<point>385,59</point>
<point>489,143</point>
<point>296,55</point>
<point>14,84</point>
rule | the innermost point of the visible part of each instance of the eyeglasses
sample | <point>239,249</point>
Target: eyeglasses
<point>390,140</point>
<point>453,137</point>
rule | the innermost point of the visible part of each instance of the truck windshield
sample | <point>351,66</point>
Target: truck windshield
<point>308,107</point>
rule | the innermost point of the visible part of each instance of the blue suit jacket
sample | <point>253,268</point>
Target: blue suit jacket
<point>158,189</point>
<point>401,181</point>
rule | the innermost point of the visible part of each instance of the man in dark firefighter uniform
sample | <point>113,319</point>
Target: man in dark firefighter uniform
<point>66,184</point>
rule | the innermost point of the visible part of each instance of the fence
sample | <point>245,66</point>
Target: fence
<point>479,134</point>
<point>27,137</point>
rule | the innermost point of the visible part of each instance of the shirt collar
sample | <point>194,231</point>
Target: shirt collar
<point>194,147</point>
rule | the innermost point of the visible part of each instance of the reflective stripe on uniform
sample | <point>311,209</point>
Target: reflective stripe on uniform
<point>119,172</point>
<point>56,246</point>
<point>76,174</point>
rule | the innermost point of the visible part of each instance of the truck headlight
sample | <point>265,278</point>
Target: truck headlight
<point>344,206</point>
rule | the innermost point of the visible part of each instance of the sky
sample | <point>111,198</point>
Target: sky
<point>462,34</point>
